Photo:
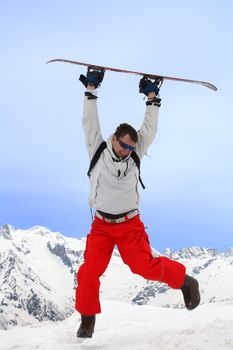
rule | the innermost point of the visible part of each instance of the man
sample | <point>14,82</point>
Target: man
<point>114,177</point>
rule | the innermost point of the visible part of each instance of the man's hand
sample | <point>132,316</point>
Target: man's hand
<point>94,77</point>
<point>147,86</point>
<point>151,90</point>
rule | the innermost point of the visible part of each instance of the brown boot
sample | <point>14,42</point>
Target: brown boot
<point>87,326</point>
<point>190,290</point>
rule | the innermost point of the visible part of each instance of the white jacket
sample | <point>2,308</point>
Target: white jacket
<point>109,191</point>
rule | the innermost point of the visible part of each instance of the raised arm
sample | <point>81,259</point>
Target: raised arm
<point>148,129</point>
<point>90,121</point>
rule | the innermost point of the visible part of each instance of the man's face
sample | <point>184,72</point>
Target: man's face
<point>123,146</point>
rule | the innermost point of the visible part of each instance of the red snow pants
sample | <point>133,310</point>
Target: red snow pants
<point>134,248</point>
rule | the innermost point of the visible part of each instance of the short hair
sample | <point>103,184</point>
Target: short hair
<point>126,129</point>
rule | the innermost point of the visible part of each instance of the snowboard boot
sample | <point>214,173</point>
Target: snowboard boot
<point>86,328</point>
<point>190,290</point>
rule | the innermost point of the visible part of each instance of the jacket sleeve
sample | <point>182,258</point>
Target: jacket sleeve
<point>148,130</point>
<point>91,126</point>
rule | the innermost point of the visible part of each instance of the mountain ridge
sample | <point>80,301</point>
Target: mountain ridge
<point>38,276</point>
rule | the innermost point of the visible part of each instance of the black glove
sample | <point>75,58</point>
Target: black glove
<point>94,77</point>
<point>146,85</point>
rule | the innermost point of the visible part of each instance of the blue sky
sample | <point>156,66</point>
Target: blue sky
<point>188,198</point>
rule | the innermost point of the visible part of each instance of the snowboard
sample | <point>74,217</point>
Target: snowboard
<point>149,75</point>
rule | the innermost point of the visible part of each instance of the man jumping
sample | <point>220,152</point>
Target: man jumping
<point>114,177</point>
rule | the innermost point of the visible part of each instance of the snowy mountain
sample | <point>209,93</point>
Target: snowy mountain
<point>38,277</point>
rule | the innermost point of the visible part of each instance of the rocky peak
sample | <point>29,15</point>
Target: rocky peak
<point>6,230</point>
<point>191,253</point>
<point>229,252</point>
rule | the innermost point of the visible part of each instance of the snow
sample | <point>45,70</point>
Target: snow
<point>161,324</point>
<point>125,326</point>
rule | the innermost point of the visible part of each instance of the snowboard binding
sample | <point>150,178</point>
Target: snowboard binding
<point>94,76</point>
<point>146,85</point>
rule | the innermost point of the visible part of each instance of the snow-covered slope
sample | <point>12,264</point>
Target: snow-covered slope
<point>38,277</point>
<point>122,326</point>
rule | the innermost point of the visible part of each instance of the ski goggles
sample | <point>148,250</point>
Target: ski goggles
<point>126,146</point>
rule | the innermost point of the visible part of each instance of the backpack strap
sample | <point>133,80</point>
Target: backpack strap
<point>138,163</point>
<point>96,156</point>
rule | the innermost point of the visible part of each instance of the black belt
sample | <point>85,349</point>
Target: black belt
<point>131,214</point>
<point>114,216</point>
